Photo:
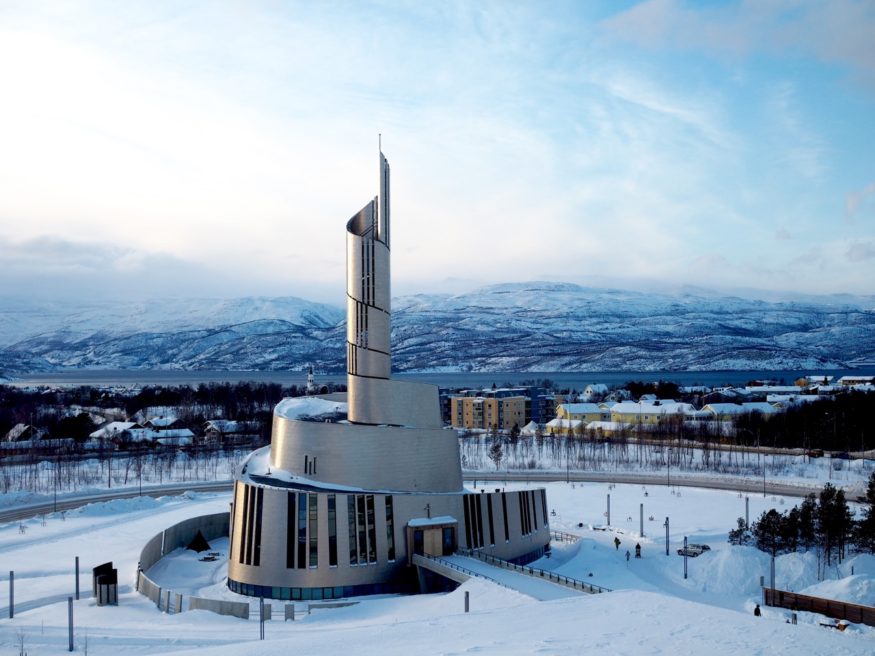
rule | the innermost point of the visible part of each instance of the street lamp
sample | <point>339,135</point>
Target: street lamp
<point>668,473</point>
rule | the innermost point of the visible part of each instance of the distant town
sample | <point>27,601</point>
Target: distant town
<point>817,413</point>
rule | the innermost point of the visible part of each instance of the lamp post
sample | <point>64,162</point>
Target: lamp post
<point>668,473</point>
<point>764,475</point>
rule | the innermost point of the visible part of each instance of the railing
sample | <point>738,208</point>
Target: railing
<point>463,570</point>
<point>562,536</point>
<point>839,610</point>
<point>567,581</point>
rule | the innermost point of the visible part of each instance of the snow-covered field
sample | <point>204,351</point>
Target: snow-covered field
<point>653,609</point>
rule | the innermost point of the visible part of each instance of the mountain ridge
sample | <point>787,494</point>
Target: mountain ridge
<point>529,326</point>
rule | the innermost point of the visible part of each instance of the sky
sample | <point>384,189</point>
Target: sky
<point>217,149</point>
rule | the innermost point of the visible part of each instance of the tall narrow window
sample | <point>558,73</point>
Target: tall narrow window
<point>521,498</point>
<point>314,530</point>
<point>468,530</point>
<point>290,530</point>
<point>480,540</point>
<point>244,529</point>
<point>390,529</point>
<point>360,528</point>
<point>353,540</point>
<point>250,516</point>
<point>231,542</point>
<point>534,510</point>
<point>332,530</point>
<point>544,506</point>
<point>504,512</point>
<point>302,531</point>
<point>256,549</point>
<point>491,522</point>
<point>372,530</point>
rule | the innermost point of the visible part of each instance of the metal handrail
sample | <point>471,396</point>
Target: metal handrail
<point>562,536</point>
<point>561,579</point>
<point>463,570</point>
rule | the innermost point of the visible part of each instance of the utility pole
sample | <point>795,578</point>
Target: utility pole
<point>609,509</point>
<point>685,557</point>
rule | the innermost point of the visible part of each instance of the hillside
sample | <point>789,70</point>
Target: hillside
<point>543,326</point>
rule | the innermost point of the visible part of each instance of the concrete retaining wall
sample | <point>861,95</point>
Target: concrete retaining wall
<point>180,535</point>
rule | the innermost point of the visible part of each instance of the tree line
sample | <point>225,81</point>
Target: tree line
<point>823,523</point>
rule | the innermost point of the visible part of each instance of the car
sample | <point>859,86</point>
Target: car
<point>693,550</point>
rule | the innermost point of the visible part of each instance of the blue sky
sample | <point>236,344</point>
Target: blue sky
<point>217,149</point>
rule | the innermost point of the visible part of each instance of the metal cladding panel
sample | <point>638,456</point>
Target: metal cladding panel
<point>397,403</point>
<point>370,364</point>
<point>369,457</point>
<point>382,278</point>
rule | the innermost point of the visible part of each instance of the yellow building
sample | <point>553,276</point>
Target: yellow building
<point>479,412</point>
<point>586,412</point>
<point>648,414</point>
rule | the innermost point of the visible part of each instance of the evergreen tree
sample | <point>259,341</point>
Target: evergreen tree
<point>768,532</point>
<point>807,522</point>
<point>740,535</point>
<point>864,534</point>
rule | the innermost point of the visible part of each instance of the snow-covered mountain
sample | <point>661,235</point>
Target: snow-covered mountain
<point>541,326</point>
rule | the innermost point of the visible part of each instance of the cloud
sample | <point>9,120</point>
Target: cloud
<point>797,144</point>
<point>861,251</point>
<point>54,267</point>
<point>834,32</point>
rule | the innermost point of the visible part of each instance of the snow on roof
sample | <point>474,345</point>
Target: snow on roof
<point>227,426</point>
<point>149,435</point>
<point>778,389</point>
<point>795,398</point>
<point>155,412</point>
<point>741,408</point>
<point>607,426</point>
<point>564,423</point>
<point>581,408</point>
<point>851,380</point>
<point>162,422</point>
<point>308,406</point>
<point>20,431</point>
<point>433,521</point>
<point>664,408</point>
<point>113,428</point>
<point>529,429</point>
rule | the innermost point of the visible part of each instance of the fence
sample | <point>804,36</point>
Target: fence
<point>839,610</point>
<point>180,535</point>
<point>234,608</point>
<point>567,581</point>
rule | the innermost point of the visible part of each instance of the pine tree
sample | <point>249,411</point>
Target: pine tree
<point>768,532</point>
<point>864,534</point>
<point>807,522</point>
<point>740,535</point>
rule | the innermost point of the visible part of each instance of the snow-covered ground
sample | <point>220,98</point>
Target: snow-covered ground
<point>652,610</point>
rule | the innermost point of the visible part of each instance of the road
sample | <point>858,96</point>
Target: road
<point>752,486</point>
<point>736,485</point>
<point>170,489</point>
